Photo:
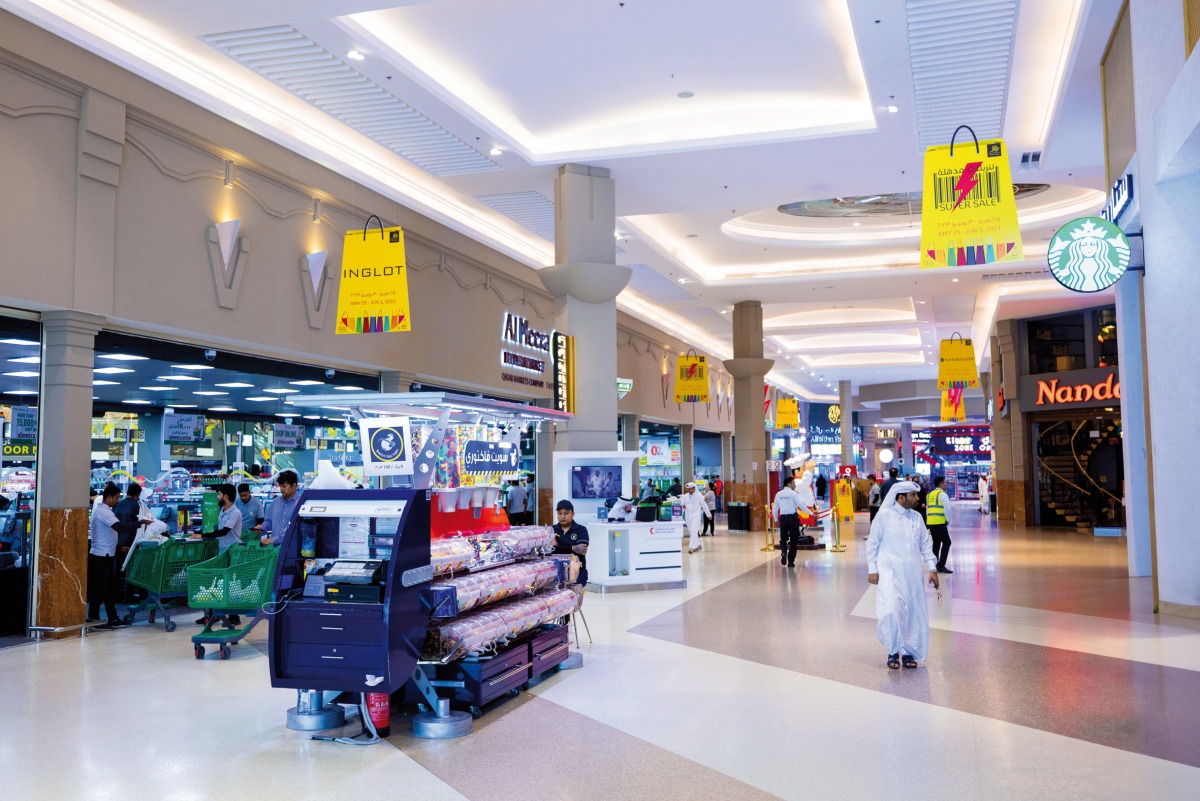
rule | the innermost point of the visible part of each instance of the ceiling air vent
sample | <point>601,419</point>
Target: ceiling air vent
<point>1031,160</point>
<point>1016,275</point>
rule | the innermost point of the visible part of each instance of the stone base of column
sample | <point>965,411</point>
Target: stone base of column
<point>61,594</point>
<point>756,496</point>
<point>545,507</point>
<point>1010,501</point>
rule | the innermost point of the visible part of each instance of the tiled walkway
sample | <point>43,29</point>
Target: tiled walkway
<point>1048,677</point>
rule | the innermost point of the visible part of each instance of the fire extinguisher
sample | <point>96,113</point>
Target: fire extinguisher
<point>379,707</point>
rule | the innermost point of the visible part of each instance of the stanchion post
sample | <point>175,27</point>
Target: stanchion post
<point>769,534</point>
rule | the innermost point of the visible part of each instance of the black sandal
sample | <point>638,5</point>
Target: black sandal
<point>893,661</point>
<point>909,662</point>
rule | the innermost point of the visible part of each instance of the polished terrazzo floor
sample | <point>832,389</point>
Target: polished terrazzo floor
<point>1048,677</point>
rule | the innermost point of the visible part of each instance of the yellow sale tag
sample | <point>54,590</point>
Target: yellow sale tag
<point>968,207</point>
<point>373,292</point>
<point>787,413</point>
<point>956,364</point>
<point>953,408</point>
<point>691,380</point>
<point>845,500</point>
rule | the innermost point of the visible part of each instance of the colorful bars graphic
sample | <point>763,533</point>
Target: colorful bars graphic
<point>970,255</point>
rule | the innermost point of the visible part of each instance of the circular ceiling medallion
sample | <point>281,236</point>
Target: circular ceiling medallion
<point>897,204</point>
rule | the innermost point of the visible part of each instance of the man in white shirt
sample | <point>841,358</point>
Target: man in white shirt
<point>694,512</point>
<point>517,502</point>
<point>786,509</point>
<point>101,556</point>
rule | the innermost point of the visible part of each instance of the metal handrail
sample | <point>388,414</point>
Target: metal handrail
<point>38,632</point>
<point>1083,470</point>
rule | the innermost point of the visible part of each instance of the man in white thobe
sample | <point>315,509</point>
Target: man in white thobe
<point>694,512</point>
<point>985,503</point>
<point>899,562</point>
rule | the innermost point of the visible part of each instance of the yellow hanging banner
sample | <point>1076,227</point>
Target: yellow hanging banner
<point>373,292</point>
<point>956,364</point>
<point>787,413</point>
<point>954,410</point>
<point>691,380</point>
<point>968,207</point>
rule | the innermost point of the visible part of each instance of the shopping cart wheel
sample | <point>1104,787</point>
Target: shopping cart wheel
<point>153,614</point>
<point>199,651</point>
<point>476,712</point>
<point>225,651</point>
<point>127,620</point>
<point>169,625</point>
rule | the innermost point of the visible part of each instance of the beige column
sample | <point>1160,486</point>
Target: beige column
<point>749,368</point>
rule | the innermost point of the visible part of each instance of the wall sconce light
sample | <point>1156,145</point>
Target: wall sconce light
<point>316,270</point>
<point>317,209</point>
<point>230,174</point>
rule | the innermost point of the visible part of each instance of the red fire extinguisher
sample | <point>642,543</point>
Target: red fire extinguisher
<point>379,707</point>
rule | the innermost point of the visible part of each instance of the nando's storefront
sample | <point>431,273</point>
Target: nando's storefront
<point>1074,423</point>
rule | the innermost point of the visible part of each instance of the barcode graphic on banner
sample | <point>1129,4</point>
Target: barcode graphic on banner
<point>985,191</point>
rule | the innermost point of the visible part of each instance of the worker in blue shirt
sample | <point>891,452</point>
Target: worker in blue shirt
<point>571,538</point>
<point>283,508</point>
<point>251,509</point>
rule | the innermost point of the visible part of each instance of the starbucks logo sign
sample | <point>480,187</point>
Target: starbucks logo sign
<point>1088,254</point>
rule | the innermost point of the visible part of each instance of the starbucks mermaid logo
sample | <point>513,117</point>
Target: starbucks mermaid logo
<point>1088,255</point>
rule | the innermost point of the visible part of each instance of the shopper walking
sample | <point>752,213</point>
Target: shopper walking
<point>935,519</point>
<point>517,504</point>
<point>899,561</point>
<point>102,532</point>
<point>985,501</point>
<point>710,522</point>
<point>822,485</point>
<point>282,510</point>
<point>694,512</point>
<point>893,477</point>
<point>786,509</point>
<point>719,488</point>
<point>874,497</point>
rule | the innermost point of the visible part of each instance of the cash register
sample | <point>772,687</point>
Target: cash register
<point>354,581</point>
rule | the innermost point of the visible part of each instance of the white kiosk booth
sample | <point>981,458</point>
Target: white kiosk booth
<point>626,554</point>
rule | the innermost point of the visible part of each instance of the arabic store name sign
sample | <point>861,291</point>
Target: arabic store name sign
<point>480,456</point>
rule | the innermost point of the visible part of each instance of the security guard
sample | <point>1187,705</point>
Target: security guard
<point>935,518</point>
<point>570,537</point>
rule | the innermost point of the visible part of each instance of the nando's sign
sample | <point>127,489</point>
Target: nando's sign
<point>1075,389</point>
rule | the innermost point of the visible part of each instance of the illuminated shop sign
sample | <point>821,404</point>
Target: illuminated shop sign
<point>564,372</point>
<point>961,441</point>
<point>1052,392</point>
<point>518,331</point>
<point>1119,198</point>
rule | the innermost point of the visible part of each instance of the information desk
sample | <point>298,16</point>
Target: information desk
<point>635,556</point>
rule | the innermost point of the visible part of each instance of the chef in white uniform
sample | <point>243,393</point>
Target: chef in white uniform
<point>694,512</point>
<point>899,562</point>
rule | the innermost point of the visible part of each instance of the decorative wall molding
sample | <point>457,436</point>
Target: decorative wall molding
<point>28,92</point>
<point>227,270</point>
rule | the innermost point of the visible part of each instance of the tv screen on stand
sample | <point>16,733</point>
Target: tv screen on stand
<point>596,481</point>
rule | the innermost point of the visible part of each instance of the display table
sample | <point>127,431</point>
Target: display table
<point>635,556</point>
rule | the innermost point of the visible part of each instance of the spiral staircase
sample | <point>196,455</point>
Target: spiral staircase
<point>1068,492</point>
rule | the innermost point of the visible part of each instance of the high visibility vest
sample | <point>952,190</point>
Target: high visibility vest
<point>935,508</point>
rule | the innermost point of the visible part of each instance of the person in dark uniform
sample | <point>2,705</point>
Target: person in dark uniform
<point>570,537</point>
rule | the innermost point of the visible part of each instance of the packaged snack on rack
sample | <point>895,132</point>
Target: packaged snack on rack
<point>488,586</point>
<point>450,555</point>
<point>477,631</point>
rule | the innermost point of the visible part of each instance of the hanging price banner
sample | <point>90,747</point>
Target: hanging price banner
<point>968,207</point>
<point>691,380</point>
<point>956,364</point>
<point>787,413</point>
<point>953,408</point>
<point>373,292</point>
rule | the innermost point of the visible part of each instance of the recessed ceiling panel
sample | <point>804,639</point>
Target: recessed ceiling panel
<point>582,85</point>
<point>654,287</point>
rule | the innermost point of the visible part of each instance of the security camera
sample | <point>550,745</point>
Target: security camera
<point>330,373</point>
<point>210,354</point>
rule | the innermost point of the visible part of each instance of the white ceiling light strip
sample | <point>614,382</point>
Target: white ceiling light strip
<point>288,58</point>
<point>960,52</point>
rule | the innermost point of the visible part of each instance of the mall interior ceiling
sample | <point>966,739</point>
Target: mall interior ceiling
<point>803,193</point>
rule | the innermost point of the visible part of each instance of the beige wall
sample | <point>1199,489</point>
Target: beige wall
<point>168,179</point>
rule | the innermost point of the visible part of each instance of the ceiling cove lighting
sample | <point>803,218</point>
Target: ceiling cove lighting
<point>111,370</point>
<point>121,357</point>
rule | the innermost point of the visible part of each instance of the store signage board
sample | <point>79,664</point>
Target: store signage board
<point>962,441</point>
<point>1075,389</point>
<point>563,351</point>
<point>479,456</point>
<point>885,433</point>
<point>373,292</point>
<point>691,379</point>
<point>1119,198</point>
<point>624,385</point>
<point>516,335</point>
<point>1088,255</point>
<point>787,413</point>
<point>968,207</point>
<point>287,437</point>
<point>24,425</point>
<point>183,429</point>
<point>657,450</point>
<point>385,446</point>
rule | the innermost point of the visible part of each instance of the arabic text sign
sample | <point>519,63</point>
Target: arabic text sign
<point>183,429</point>
<point>479,456</point>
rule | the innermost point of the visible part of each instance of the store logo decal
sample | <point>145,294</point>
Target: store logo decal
<point>1088,255</point>
<point>227,256</point>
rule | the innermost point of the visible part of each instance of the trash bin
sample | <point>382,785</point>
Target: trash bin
<point>992,502</point>
<point>739,516</point>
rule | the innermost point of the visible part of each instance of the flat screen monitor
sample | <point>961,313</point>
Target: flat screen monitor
<point>157,512</point>
<point>596,481</point>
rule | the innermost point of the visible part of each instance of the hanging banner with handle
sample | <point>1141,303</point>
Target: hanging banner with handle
<point>956,364</point>
<point>691,380</point>
<point>373,291</point>
<point>968,207</point>
<point>787,413</point>
<point>953,408</point>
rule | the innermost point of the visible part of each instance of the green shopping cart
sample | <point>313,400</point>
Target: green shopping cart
<point>161,570</point>
<point>237,581</point>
